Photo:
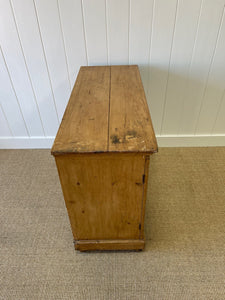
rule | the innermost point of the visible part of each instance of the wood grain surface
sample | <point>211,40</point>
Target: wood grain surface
<point>104,194</point>
<point>90,245</point>
<point>107,112</point>
<point>130,126</point>
<point>84,127</point>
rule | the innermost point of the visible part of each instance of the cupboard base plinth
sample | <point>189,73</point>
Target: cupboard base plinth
<point>93,245</point>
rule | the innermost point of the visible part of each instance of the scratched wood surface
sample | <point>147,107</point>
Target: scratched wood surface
<point>104,194</point>
<point>84,127</point>
<point>107,112</point>
<point>130,126</point>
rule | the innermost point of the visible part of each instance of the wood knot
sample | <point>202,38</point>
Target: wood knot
<point>115,139</point>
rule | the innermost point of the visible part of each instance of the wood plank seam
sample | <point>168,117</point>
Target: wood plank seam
<point>109,106</point>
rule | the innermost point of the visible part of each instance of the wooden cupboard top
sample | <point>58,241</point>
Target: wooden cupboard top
<point>107,112</point>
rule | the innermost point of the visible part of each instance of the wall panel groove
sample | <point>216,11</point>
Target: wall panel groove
<point>204,121</point>
<point>27,70</point>
<point>95,31</point>
<point>85,39</point>
<point>149,52</point>
<point>46,64</point>
<point>16,66</point>
<point>218,113</point>
<point>106,32</point>
<point>169,66</point>
<point>10,102</point>
<point>140,27</point>
<point>189,68</point>
<point>73,34</point>
<point>5,129</point>
<point>64,47</point>
<point>34,56</point>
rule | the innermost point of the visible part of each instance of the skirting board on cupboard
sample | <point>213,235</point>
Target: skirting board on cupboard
<point>163,141</point>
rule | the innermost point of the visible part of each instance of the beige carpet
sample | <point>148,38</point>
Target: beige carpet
<point>185,230</point>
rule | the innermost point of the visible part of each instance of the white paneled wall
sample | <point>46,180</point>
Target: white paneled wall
<point>179,46</point>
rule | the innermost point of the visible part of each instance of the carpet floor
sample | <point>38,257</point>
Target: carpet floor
<point>184,256</point>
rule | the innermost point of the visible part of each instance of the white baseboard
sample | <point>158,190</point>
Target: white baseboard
<point>191,140</point>
<point>163,141</point>
<point>26,142</point>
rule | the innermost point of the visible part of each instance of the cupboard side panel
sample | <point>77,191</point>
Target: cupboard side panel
<point>103,194</point>
<point>63,177</point>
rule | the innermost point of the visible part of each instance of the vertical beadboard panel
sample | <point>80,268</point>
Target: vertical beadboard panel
<point>179,46</point>
<point>141,13</point>
<point>94,12</point>
<point>214,90</point>
<point>9,102</point>
<point>188,13</point>
<point>14,57</point>
<point>118,31</point>
<point>51,33</point>
<point>74,37</point>
<point>161,43</point>
<point>204,49</point>
<point>4,126</point>
<point>33,51</point>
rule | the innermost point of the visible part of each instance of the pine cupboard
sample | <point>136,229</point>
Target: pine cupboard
<point>102,151</point>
